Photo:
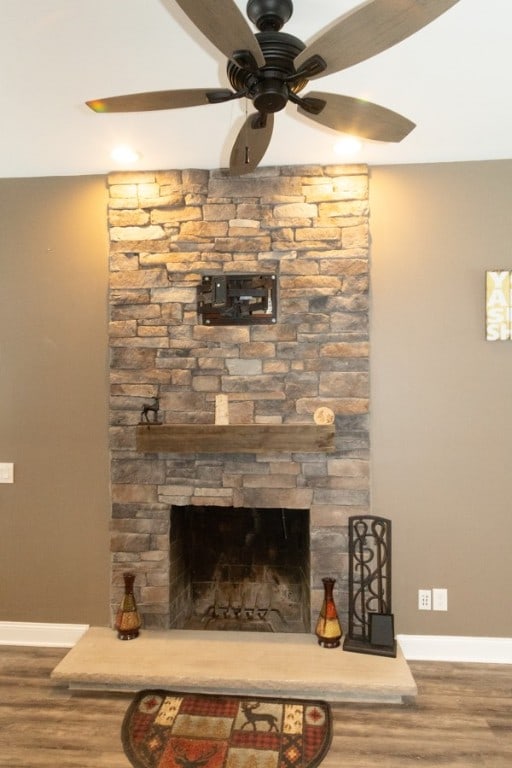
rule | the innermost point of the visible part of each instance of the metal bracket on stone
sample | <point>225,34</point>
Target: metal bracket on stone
<point>238,299</point>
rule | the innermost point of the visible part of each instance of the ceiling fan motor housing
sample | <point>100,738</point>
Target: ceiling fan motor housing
<point>269,87</point>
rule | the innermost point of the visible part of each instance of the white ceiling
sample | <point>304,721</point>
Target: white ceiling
<point>453,78</point>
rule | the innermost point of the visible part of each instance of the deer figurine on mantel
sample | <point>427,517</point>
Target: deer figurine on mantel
<point>148,408</point>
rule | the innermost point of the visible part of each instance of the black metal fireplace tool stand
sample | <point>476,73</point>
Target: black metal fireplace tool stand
<point>370,620</point>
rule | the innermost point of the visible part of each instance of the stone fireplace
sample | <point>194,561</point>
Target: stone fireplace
<point>309,227</point>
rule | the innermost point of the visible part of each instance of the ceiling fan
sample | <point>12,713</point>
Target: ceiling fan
<point>271,68</point>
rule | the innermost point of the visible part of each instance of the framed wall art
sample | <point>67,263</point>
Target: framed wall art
<point>498,305</point>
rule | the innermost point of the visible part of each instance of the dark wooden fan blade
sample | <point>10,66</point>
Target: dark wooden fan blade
<point>369,29</point>
<point>359,118</point>
<point>146,102</point>
<point>224,25</point>
<point>251,143</point>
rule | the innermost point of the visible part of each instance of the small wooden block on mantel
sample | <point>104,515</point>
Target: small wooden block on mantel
<point>235,438</point>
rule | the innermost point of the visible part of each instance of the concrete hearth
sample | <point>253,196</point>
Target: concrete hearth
<point>232,662</point>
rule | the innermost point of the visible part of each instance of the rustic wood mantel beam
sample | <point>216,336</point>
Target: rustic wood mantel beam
<point>235,438</point>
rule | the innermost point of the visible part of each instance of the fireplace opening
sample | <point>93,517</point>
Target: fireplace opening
<point>240,569</point>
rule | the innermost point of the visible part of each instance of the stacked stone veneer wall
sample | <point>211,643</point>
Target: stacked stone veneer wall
<point>308,225</point>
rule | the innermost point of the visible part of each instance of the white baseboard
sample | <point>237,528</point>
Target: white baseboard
<point>485,650</point>
<point>43,635</point>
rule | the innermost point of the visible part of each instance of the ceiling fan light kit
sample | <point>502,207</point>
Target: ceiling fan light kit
<point>270,68</point>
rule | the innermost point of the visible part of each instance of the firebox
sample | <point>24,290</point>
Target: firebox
<point>243,569</point>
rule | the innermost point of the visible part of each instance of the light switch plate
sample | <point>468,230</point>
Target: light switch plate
<point>440,599</point>
<point>6,472</point>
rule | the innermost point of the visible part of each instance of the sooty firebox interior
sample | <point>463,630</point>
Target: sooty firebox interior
<point>243,569</point>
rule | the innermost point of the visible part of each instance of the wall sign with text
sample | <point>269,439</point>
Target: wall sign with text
<point>498,305</point>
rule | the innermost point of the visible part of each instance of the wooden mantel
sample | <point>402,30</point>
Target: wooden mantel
<point>235,438</point>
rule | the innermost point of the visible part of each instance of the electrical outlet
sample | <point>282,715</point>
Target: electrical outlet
<point>424,599</point>
<point>440,599</point>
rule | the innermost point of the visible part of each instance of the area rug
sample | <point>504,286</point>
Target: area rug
<point>166,729</point>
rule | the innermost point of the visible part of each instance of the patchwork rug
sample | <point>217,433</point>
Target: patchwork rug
<point>165,729</point>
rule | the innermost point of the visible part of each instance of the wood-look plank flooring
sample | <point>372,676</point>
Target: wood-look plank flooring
<point>462,717</point>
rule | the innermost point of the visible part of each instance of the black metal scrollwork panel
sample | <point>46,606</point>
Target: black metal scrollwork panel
<point>369,576</point>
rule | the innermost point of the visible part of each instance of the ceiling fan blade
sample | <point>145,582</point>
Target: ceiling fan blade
<point>146,102</point>
<point>224,25</point>
<point>251,143</point>
<point>358,117</point>
<point>368,29</point>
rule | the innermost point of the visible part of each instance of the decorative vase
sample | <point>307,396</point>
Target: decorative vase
<point>328,628</point>
<point>128,620</point>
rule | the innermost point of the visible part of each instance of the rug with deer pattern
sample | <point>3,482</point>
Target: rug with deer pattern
<point>164,729</point>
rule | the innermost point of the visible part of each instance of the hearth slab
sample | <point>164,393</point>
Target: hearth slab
<point>259,664</point>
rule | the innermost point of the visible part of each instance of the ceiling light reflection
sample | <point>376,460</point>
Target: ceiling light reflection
<point>124,154</point>
<point>348,146</point>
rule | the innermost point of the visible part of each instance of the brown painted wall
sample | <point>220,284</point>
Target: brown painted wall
<point>441,406</point>
<point>54,553</point>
